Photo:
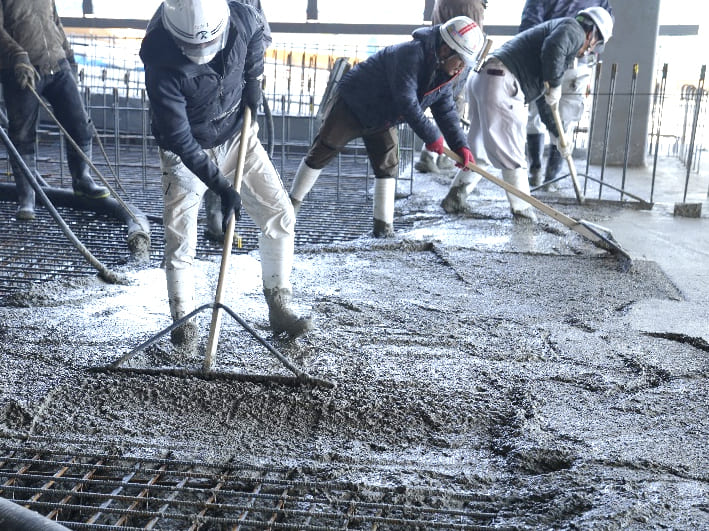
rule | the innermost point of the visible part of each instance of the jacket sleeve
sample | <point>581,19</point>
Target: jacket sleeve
<point>169,114</point>
<point>403,81</point>
<point>545,114</point>
<point>68,52</point>
<point>446,116</point>
<point>8,46</point>
<point>533,13</point>
<point>559,49</point>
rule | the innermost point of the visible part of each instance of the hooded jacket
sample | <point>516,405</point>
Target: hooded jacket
<point>538,11</point>
<point>32,26</point>
<point>398,83</point>
<point>196,107</point>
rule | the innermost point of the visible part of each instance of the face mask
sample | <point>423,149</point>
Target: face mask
<point>201,60</point>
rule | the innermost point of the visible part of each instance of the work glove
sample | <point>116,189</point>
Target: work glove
<point>465,154</point>
<point>252,97</point>
<point>231,204</point>
<point>25,73</point>
<point>552,95</point>
<point>436,146</point>
<point>565,150</point>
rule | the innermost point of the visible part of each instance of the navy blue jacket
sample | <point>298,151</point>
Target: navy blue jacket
<point>196,107</point>
<point>398,83</point>
<point>539,54</point>
<point>538,11</point>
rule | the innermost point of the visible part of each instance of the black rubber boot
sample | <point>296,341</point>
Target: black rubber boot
<point>25,199</point>
<point>552,170</point>
<point>280,315</point>
<point>81,181</point>
<point>535,152</point>
<point>25,192</point>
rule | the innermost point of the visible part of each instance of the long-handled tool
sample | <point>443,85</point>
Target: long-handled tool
<point>569,159</point>
<point>300,377</point>
<point>599,236</point>
<point>226,249</point>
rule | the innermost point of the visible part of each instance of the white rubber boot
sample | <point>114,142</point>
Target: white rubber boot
<point>426,162</point>
<point>384,195</point>
<point>519,207</point>
<point>303,181</point>
<point>180,294</point>
<point>276,265</point>
<point>456,201</point>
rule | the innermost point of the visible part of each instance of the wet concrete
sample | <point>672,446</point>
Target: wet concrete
<point>471,354</point>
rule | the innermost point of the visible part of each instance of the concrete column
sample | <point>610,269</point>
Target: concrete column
<point>634,41</point>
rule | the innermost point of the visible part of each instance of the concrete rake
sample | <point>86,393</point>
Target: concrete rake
<point>299,377</point>
<point>599,236</point>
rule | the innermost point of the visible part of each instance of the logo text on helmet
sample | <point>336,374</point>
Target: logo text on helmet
<point>465,29</point>
<point>202,34</point>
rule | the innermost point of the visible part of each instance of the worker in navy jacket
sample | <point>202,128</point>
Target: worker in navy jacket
<point>395,85</point>
<point>203,65</point>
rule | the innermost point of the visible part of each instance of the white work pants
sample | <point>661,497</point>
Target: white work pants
<point>263,198</point>
<point>499,115</point>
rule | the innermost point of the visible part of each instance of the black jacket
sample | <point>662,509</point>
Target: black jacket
<point>398,83</point>
<point>196,107</point>
<point>539,54</point>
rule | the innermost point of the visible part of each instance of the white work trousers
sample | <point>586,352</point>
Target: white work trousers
<point>498,115</point>
<point>263,198</point>
<point>574,85</point>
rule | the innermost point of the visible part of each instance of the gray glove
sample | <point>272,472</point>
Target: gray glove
<point>565,150</point>
<point>25,73</point>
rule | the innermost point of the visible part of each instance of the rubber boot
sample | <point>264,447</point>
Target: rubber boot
<point>303,181</point>
<point>456,201</point>
<point>25,192</point>
<point>552,170</point>
<point>213,208</point>
<point>276,264</point>
<point>384,195</point>
<point>81,181</point>
<point>281,317</point>
<point>535,151</point>
<point>180,294</point>
<point>426,162</point>
<point>521,210</point>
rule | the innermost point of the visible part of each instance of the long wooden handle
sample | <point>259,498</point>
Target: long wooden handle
<point>226,251</point>
<point>569,159</point>
<point>536,203</point>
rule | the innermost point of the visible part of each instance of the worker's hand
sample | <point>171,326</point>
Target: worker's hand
<point>252,97</point>
<point>436,146</point>
<point>552,95</point>
<point>25,73</point>
<point>231,204</point>
<point>465,154</point>
<point>565,150</point>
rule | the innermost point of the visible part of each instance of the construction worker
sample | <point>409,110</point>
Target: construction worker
<point>203,65</point>
<point>212,206</point>
<point>395,85</point>
<point>444,10</point>
<point>34,52</point>
<point>517,74</point>
<point>574,84</point>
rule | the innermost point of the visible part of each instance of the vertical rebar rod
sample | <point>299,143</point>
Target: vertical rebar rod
<point>606,134</point>
<point>658,132</point>
<point>116,119</point>
<point>695,121</point>
<point>629,127</point>
<point>594,112</point>
<point>144,139</point>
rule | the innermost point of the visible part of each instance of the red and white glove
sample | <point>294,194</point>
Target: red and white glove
<point>436,146</point>
<point>465,154</point>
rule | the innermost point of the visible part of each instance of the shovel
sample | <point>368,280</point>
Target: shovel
<point>599,236</point>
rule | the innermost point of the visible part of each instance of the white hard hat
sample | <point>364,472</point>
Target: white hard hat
<point>464,36</point>
<point>602,19</point>
<point>198,26</point>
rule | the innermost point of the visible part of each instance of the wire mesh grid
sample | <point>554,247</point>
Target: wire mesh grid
<point>89,491</point>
